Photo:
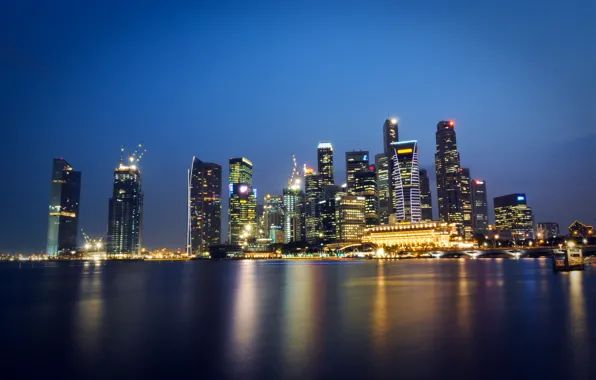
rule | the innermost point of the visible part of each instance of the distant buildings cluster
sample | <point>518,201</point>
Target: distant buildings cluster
<point>386,201</point>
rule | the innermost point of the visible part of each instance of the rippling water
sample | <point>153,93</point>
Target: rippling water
<point>435,319</point>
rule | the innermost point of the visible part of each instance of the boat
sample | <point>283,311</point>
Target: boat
<point>567,260</point>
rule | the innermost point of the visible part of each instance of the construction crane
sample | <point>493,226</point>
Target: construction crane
<point>294,182</point>
<point>135,157</point>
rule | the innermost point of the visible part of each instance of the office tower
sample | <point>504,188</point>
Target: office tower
<point>273,212</point>
<point>513,217</point>
<point>204,207</point>
<point>479,207</point>
<point>242,208</point>
<point>547,230</point>
<point>382,169</point>
<point>365,185</point>
<point>390,136</point>
<point>326,209</point>
<point>313,191</point>
<point>466,201</point>
<point>447,166</point>
<point>426,203</point>
<point>356,161</point>
<point>64,208</point>
<point>405,182</point>
<point>349,216</point>
<point>325,162</point>
<point>125,217</point>
<point>293,214</point>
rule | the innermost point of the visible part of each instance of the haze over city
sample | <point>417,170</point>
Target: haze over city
<point>264,82</point>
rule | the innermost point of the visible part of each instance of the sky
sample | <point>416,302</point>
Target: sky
<point>266,80</point>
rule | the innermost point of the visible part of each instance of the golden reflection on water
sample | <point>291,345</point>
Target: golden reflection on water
<point>380,321</point>
<point>244,315</point>
<point>577,316</point>
<point>90,309</point>
<point>463,300</point>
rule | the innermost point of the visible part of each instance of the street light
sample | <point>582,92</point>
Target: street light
<point>87,245</point>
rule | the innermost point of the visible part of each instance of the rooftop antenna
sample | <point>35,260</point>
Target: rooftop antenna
<point>122,154</point>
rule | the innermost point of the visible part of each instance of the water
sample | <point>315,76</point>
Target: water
<point>418,319</point>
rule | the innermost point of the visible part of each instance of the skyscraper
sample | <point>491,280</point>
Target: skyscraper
<point>125,217</point>
<point>242,201</point>
<point>390,136</point>
<point>313,191</point>
<point>513,217</point>
<point>365,185</point>
<point>325,163</point>
<point>479,207</point>
<point>273,213</point>
<point>426,203</point>
<point>349,216</point>
<point>204,206</point>
<point>293,218</point>
<point>327,213</point>
<point>64,208</point>
<point>447,166</point>
<point>466,201</point>
<point>405,182</point>
<point>382,169</point>
<point>356,161</point>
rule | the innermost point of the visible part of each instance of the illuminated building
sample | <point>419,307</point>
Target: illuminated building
<point>466,201</point>
<point>325,163</point>
<point>479,207</point>
<point>349,216</point>
<point>276,234</point>
<point>413,235</point>
<point>356,161</point>
<point>293,214</point>
<point>242,208</point>
<point>578,229</point>
<point>273,211</point>
<point>390,137</point>
<point>447,166</point>
<point>313,191</point>
<point>382,169</point>
<point>547,231</point>
<point>405,182</point>
<point>513,217</point>
<point>426,203</point>
<point>125,217</point>
<point>204,207</point>
<point>326,208</point>
<point>365,185</point>
<point>64,208</point>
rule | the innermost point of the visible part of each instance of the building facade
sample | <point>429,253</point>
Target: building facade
<point>125,216</point>
<point>390,137</point>
<point>426,202</point>
<point>242,208</point>
<point>293,214</point>
<point>325,163</point>
<point>406,182</point>
<point>365,185</point>
<point>466,202</point>
<point>447,164</point>
<point>356,162</point>
<point>479,207</point>
<point>313,191</point>
<point>547,230</point>
<point>581,230</point>
<point>349,216</point>
<point>273,212</point>
<point>63,222</point>
<point>423,235</point>
<point>204,206</point>
<point>513,217</point>
<point>382,177</point>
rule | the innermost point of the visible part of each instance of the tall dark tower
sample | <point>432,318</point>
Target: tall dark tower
<point>390,136</point>
<point>312,195</point>
<point>125,216</point>
<point>426,203</point>
<point>204,206</point>
<point>325,163</point>
<point>479,206</point>
<point>466,201</point>
<point>447,166</point>
<point>356,162</point>
<point>64,208</point>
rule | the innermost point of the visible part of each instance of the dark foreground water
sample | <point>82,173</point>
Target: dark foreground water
<point>435,319</point>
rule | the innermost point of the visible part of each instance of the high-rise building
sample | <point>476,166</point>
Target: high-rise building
<point>356,161</point>
<point>325,163</point>
<point>426,203</point>
<point>313,192</point>
<point>479,207</point>
<point>273,212</point>
<point>204,207</point>
<point>326,207</point>
<point>513,217</point>
<point>64,208</point>
<point>365,185</point>
<point>382,169</point>
<point>405,182</point>
<point>390,136</point>
<point>293,214</point>
<point>447,166</point>
<point>466,201</point>
<point>125,217</point>
<point>242,208</point>
<point>547,230</point>
<point>349,216</point>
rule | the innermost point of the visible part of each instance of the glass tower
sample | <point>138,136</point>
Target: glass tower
<point>325,163</point>
<point>466,201</point>
<point>426,203</point>
<point>64,208</point>
<point>406,182</point>
<point>479,207</point>
<point>447,166</point>
<point>382,176</point>
<point>513,217</point>
<point>242,201</point>
<point>356,161</point>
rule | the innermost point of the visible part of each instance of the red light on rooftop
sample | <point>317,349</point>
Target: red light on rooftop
<point>371,168</point>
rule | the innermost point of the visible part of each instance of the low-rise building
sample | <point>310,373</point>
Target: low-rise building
<point>413,235</point>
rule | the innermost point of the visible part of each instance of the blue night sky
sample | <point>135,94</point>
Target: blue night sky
<point>266,80</point>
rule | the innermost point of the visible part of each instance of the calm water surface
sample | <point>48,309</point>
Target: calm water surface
<point>435,319</point>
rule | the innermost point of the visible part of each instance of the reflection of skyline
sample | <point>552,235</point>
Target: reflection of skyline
<point>379,314</point>
<point>90,310</point>
<point>577,318</point>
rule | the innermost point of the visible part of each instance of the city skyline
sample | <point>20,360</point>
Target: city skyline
<point>179,88</point>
